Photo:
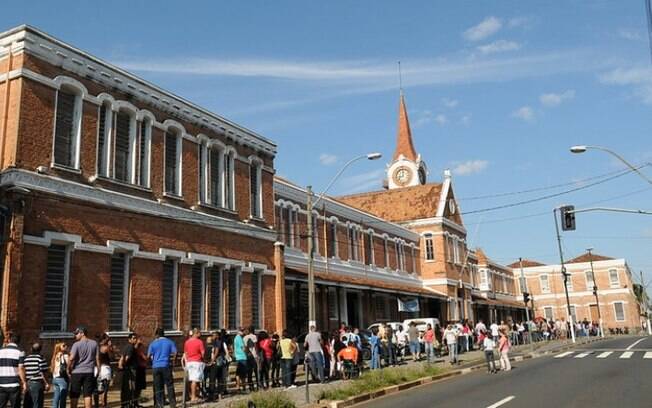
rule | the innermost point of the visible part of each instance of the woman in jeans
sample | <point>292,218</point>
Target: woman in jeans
<point>276,361</point>
<point>374,342</point>
<point>429,341</point>
<point>59,366</point>
<point>503,348</point>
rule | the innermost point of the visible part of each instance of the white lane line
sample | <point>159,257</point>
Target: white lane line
<point>648,354</point>
<point>562,355</point>
<point>605,354</point>
<point>501,402</point>
<point>627,354</point>
<point>635,343</point>
<point>582,355</point>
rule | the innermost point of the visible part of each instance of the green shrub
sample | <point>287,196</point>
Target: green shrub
<point>377,379</point>
<point>266,399</point>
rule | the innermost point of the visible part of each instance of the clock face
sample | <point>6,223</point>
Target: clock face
<point>402,176</point>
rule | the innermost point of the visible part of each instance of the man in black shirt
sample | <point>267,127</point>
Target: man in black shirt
<point>127,365</point>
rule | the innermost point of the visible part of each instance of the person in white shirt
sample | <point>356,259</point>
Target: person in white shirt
<point>401,340</point>
<point>480,327</point>
<point>494,331</point>
<point>450,334</point>
<point>488,346</point>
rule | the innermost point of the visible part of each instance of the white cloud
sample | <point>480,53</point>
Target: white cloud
<point>638,78</point>
<point>425,117</point>
<point>484,29</point>
<point>519,22</point>
<point>327,159</point>
<point>362,182</point>
<point>470,167</point>
<point>449,103</point>
<point>630,34</point>
<point>441,119</point>
<point>525,113</point>
<point>466,119</point>
<point>499,46</point>
<point>555,99</point>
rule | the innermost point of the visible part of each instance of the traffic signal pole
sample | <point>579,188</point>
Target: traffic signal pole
<point>565,274</point>
<point>525,291</point>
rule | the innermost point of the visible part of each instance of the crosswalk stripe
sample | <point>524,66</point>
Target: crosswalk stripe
<point>562,355</point>
<point>627,354</point>
<point>648,354</point>
<point>605,354</point>
<point>582,355</point>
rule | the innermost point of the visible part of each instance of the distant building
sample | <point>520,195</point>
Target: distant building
<point>617,302</point>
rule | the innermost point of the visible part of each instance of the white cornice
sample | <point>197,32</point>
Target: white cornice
<point>577,267</point>
<point>424,222</point>
<point>108,198</point>
<point>39,44</point>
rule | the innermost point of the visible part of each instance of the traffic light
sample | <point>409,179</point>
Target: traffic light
<point>567,217</point>
<point>526,297</point>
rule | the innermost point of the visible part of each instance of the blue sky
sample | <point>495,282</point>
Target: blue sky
<point>496,91</point>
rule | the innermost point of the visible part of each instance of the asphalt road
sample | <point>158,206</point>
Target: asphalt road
<point>612,373</point>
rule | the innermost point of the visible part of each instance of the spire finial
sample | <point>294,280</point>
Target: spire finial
<point>400,78</point>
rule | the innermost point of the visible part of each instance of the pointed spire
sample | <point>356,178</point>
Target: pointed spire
<point>404,145</point>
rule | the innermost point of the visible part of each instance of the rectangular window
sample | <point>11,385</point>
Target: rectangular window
<point>145,144</point>
<point>369,248</point>
<point>55,300</point>
<point>203,176</point>
<point>255,298</point>
<point>122,158</point>
<point>228,181</point>
<point>118,290</point>
<point>214,177</point>
<point>102,138</point>
<point>573,313</point>
<point>254,189</point>
<point>381,307</point>
<point>353,244</point>
<point>332,239</point>
<point>386,252</point>
<point>614,281</point>
<point>449,249</point>
<point>332,303</point>
<point>589,280</point>
<point>430,250</point>
<point>197,297</point>
<point>66,130</point>
<point>547,312</point>
<point>233,288</point>
<point>619,311</point>
<point>215,274</point>
<point>545,287</point>
<point>172,163</point>
<point>169,303</point>
<point>570,282</point>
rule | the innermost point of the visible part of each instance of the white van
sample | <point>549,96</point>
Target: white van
<point>394,325</point>
<point>421,323</point>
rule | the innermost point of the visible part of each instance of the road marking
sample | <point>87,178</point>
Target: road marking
<point>562,355</point>
<point>605,354</point>
<point>635,343</point>
<point>648,354</point>
<point>582,355</point>
<point>501,402</point>
<point>627,354</point>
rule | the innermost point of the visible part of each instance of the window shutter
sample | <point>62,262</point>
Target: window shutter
<point>101,140</point>
<point>196,297</point>
<point>55,279</point>
<point>214,165</point>
<point>122,146</point>
<point>64,149</point>
<point>167,303</point>
<point>216,298</point>
<point>253,188</point>
<point>117,292</point>
<point>233,299</point>
<point>255,298</point>
<point>228,196</point>
<point>144,154</point>
<point>171,165</point>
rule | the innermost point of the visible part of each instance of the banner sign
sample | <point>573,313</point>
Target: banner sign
<point>409,305</point>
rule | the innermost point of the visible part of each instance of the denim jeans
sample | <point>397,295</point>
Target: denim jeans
<point>11,396</point>
<point>491,360</point>
<point>60,386</point>
<point>34,394</point>
<point>375,358</point>
<point>452,352</point>
<point>286,369</point>
<point>430,351</point>
<point>317,365</point>
<point>162,380</point>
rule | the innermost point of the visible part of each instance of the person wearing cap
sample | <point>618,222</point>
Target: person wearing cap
<point>84,361</point>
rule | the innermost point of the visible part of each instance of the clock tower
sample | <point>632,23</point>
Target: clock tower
<point>406,168</point>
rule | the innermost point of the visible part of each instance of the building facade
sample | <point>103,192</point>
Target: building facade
<point>616,302</point>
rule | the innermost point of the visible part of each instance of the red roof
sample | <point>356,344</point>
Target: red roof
<point>527,263</point>
<point>585,257</point>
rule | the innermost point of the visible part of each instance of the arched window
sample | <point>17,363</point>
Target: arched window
<point>145,149</point>
<point>173,137</point>
<point>255,187</point>
<point>104,136</point>
<point>332,238</point>
<point>124,154</point>
<point>67,128</point>
<point>429,247</point>
<point>229,179</point>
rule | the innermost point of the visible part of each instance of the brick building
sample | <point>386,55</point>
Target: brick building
<point>125,207</point>
<point>617,302</point>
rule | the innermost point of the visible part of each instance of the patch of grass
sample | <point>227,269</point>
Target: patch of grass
<point>377,379</point>
<point>266,399</point>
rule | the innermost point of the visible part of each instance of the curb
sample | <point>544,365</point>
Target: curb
<point>441,377</point>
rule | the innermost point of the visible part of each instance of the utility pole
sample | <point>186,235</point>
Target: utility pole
<point>311,270</point>
<point>565,274</point>
<point>524,290</point>
<point>647,316</point>
<point>595,292</point>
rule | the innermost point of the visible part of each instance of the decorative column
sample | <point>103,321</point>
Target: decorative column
<point>13,267</point>
<point>279,286</point>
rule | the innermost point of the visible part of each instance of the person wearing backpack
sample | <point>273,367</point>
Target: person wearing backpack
<point>59,368</point>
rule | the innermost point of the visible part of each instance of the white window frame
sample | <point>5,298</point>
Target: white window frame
<point>131,111</point>
<point>570,282</point>
<point>573,310</point>
<point>229,199</point>
<point>333,226</point>
<point>386,250</point>
<point>144,170</point>
<point>125,291</point>
<point>588,277</point>
<point>612,283</point>
<point>622,305</point>
<point>546,288</point>
<point>414,258</point>
<point>429,242</point>
<point>77,117</point>
<point>105,153</point>
<point>370,238</point>
<point>178,132</point>
<point>66,283</point>
<point>255,163</point>
<point>552,313</point>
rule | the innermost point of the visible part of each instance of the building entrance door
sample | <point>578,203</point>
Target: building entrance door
<point>594,313</point>
<point>353,308</point>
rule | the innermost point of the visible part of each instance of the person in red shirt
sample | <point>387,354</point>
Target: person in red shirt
<point>193,362</point>
<point>267,353</point>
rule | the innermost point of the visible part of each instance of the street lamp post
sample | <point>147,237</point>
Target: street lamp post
<point>582,148</point>
<point>312,319</point>
<point>595,292</point>
<point>565,274</point>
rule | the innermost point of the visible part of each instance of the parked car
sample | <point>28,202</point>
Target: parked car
<point>394,325</point>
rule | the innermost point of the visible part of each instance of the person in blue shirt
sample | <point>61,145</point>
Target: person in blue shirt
<point>160,352</point>
<point>240,355</point>
<point>374,342</point>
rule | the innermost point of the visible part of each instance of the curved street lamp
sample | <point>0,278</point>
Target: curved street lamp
<point>583,148</point>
